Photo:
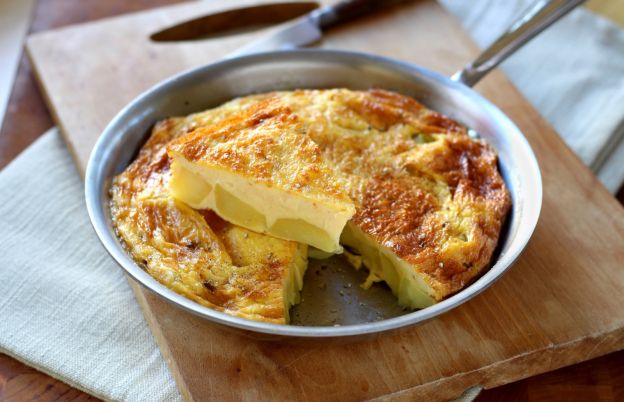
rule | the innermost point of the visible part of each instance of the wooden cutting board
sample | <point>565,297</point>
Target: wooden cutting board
<point>560,304</point>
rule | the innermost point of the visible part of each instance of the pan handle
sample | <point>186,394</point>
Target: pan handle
<point>538,17</point>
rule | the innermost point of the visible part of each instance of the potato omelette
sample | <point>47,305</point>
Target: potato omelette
<point>429,200</point>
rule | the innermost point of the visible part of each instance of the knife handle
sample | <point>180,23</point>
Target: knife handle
<point>348,9</point>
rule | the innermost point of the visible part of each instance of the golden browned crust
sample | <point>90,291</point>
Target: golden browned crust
<point>195,253</point>
<point>267,143</point>
<point>430,193</point>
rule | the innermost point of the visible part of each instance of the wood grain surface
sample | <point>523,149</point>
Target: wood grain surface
<point>598,380</point>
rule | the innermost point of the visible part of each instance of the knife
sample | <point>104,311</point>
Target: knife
<point>234,21</point>
<point>309,28</point>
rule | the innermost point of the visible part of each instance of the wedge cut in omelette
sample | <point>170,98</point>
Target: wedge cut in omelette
<point>194,252</point>
<point>259,169</point>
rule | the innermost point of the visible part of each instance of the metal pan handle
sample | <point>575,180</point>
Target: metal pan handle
<point>534,20</point>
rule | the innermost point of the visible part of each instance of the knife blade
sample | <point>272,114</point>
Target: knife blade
<point>309,28</point>
<point>234,21</point>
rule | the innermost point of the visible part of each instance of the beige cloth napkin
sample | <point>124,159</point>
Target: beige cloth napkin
<point>66,307</point>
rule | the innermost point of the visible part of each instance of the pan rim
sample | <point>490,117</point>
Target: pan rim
<point>95,206</point>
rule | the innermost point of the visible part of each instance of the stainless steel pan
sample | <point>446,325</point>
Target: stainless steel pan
<point>340,309</point>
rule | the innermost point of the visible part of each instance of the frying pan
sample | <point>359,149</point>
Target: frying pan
<point>335,311</point>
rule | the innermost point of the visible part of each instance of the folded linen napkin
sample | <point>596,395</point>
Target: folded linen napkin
<point>573,73</point>
<point>66,307</point>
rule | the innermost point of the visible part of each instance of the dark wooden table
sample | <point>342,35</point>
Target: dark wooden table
<point>598,380</point>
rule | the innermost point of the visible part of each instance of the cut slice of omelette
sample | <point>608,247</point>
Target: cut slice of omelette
<point>260,170</point>
<point>194,252</point>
